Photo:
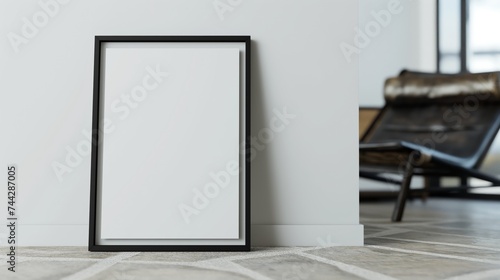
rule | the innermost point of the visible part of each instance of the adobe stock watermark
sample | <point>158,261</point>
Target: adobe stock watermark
<point>372,29</point>
<point>31,26</point>
<point>222,7</point>
<point>220,180</point>
<point>121,107</point>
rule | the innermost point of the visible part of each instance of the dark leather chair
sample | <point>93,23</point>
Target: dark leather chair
<point>432,125</point>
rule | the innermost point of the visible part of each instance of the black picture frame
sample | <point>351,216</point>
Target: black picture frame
<point>93,244</point>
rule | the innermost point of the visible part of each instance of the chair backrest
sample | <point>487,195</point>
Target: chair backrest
<point>458,115</point>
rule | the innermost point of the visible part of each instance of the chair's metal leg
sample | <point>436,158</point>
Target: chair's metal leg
<point>397,213</point>
<point>430,182</point>
<point>427,186</point>
<point>464,181</point>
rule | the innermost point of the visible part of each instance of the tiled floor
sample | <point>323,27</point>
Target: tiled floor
<point>442,239</point>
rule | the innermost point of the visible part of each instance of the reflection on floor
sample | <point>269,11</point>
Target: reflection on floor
<point>442,239</point>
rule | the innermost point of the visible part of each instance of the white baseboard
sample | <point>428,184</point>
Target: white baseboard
<point>307,235</point>
<point>52,235</point>
<point>262,235</point>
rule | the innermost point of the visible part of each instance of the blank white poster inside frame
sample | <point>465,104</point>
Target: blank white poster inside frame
<point>170,130</point>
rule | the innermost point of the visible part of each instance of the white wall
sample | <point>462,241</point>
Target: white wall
<point>407,41</point>
<point>304,181</point>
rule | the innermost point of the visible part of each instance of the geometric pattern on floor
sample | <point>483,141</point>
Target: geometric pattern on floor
<point>441,239</point>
